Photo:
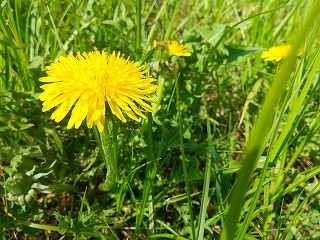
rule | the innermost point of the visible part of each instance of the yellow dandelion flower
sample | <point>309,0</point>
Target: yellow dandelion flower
<point>174,48</point>
<point>88,81</point>
<point>278,53</point>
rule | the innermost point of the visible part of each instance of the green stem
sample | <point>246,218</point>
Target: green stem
<point>173,19</point>
<point>56,228</point>
<point>206,186</point>
<point>138,29</point>
<point>41,226</point>
<point>183,158</point>
<point>150,174</point>
<point>107,149</point>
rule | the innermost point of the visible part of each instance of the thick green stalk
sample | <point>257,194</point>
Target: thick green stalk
<point>107,149</point>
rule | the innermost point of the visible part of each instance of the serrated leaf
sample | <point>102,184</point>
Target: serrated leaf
<point>64,222</point>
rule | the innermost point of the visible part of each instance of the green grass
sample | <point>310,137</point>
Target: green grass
<point>231,150</point>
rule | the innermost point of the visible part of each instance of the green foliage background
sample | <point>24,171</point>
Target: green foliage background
<point>178,167</point>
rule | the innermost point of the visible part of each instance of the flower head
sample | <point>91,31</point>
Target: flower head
<point>88,81</point>
<point>278,53</point>
<point>173,47</point>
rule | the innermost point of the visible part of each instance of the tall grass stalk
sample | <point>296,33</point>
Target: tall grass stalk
<point>151,165</point>
<point>260,131</point>
<point>173,19</point>
<point>138,29</point>
<point>297,101</point>
<point>206,184</point>
<point>150,173</point>
<point>183,158</point>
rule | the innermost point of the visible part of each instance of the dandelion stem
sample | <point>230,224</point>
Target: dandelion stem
<point>107,149</point>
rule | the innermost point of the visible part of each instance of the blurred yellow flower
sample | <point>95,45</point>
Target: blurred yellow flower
<point>88,81</point>
<point>174,48</point>
<point>278,53</point>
